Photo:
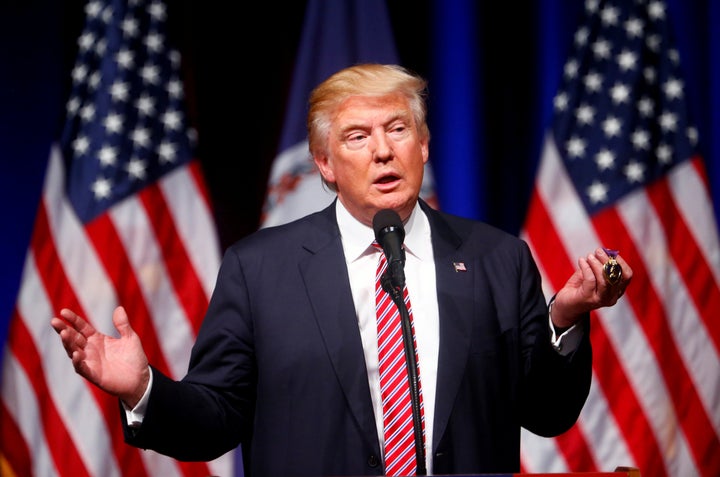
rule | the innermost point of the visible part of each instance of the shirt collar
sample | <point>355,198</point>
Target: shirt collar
<point>357,237</point>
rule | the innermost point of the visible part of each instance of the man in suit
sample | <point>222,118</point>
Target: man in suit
<point>286,362</point>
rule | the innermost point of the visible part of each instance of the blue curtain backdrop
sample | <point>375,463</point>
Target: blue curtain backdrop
<point>493,70</point>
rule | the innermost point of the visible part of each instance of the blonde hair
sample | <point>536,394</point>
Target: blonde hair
<point>368,79</point>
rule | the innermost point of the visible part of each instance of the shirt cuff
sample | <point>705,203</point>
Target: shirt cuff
<point>569,340</point>
<point>136,415</point>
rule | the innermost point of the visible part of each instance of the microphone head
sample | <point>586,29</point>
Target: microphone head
<point>385,221</point>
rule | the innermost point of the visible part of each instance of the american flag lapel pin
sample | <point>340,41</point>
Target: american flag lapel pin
<point>459,266</point>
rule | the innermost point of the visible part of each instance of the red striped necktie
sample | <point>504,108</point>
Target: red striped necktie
<point>400,456</point>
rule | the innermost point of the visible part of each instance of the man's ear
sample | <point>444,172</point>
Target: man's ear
<point>425,145</point>
<point>322,161</point>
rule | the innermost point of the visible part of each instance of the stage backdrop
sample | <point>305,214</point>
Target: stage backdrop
<point>494,71</point>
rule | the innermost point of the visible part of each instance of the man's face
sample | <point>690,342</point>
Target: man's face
<point>375,156</point>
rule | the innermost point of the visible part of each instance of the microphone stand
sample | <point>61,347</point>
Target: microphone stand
<point>411,363</point>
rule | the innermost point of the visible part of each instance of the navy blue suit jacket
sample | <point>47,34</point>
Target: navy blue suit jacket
<point>278,364</point>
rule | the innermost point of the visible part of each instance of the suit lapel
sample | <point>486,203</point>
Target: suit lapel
<point>453,287</point>
<point>328,288</point>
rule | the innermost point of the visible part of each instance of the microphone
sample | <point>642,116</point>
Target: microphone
<point>389,233</point>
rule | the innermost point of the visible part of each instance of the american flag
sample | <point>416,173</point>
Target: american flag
<point>620,169</point>
<point>336,34</point>
<point>125,218</point>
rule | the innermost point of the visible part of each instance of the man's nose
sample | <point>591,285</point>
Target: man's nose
<point>382,149</point>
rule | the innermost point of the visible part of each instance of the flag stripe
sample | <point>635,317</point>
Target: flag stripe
<point>187,285</point>
<point>112,255</point>
<point>25,416</point>
<point>194,221</point>
<point>542,233</point>
<point>52,276</point>
<point>18,456</point>
<point>55,432</point>
<point>691,415</point>
<point>700,281</point>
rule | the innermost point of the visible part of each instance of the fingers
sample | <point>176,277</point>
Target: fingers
<point>121,322</point>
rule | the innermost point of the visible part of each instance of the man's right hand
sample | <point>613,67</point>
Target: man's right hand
<point>118,366</point>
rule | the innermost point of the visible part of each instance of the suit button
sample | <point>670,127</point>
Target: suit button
<point>373,461</point>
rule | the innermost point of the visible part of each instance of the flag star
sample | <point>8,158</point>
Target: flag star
<point>73,105</point>
<point>664,153</point>
<point>130,27</point>
<point>101,188</point>
<point>601,48</point>
<point>154,42</point>
<point>107,14</point>
<point>87,112</point>
<point>646,107</point>
<point>94,81</point>
<point>619,93</point>
<point>576,147</point>
<point>593,82</point>
<point>101,47</point>
<point>119,91</point>
<point>125,59</point>
<point>175,57</point>
<point>673,88</point>
<point>136,168</point>
<point>634,28</point>
<point>609,16</point>
<point>674,56</point>
<point>649,74</point>
<point>150,74</point>
<point>597,192</point>
<point>141,137</point>
<point>175,89</point>
<point>561,101</point>
<point>79,73</point>
<point>585,114</point>
<point>113,123</point>
<point>656,10</point>
<point>668,121</point>
<point>171,120</point>
<point>692,135</point>
<point>627,60</point>
<point>581,36</point>
<point>86,41</point>
<point>157,10</point>
<point>653,42</point>
<point>107,155</point>
<point>93,9</point>
<point>146,105</point>
<point>641,139</point>
<point>611,126</point>
<point>81,145</point>
<point>605,159</point>
<point>634,171</point>
<point>167,152</point>
<point>192,135</point>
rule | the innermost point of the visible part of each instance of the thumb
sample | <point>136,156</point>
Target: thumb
<point>122,322</point>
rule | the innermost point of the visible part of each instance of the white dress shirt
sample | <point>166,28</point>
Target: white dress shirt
<point>362,259</point>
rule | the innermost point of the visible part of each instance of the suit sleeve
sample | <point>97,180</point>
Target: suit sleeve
<point>554,387</point>
<point>209,411</point>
